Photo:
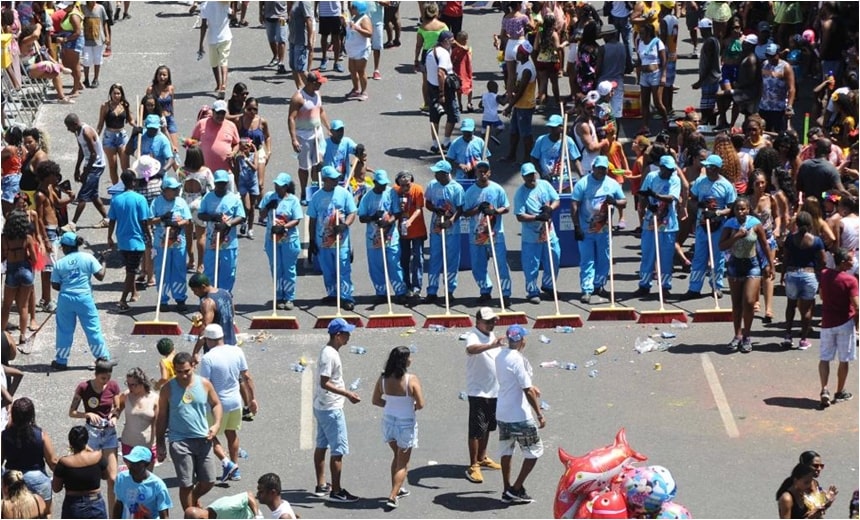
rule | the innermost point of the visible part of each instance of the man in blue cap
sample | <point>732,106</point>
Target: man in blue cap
<point>140,493</point>
<point>518,414</point>
<point>380,210</point>
<point>329,396</point>
<point>129,215</point>
<point>338,149</point>
<point>486,200</point>
<point>534,203</point>
<point>331,211</point>
<point>283,213</point>
<point>466,150</point>
<point>660,194</point>
<point>546,154</point>
<point>223,212</point>
<point>715,196</point>
<point>591,199</point>
<point>153,142</point>
<point>444,198</point>
<point>170,214</point>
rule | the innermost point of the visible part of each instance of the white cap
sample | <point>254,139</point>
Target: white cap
<point>213,331</point>
<point>486,314</point>
<point>605,87</point>
<point>706,23</point>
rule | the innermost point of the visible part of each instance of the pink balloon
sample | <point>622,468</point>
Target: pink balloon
<point>671,509</point>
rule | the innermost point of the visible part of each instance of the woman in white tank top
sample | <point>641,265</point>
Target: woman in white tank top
<point>399,394</point>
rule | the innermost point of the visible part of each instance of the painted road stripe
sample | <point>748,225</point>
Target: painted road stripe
<point>306,416</point>
<point>720,397</point>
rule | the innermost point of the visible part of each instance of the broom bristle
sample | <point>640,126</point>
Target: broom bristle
<point>612,314</point>
<point>274,322</point>
<point>561,320</point>
<point>712,316</point>
<point>511,318</point>
<point>390,320</point>
<point>323,321</point>
<point>156,328</point>
<point>448,320</point>
<point>661,316</point>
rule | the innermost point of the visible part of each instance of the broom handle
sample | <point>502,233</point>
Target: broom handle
<point>163,273</point>
<point>711,265</point>
<point>217,255</point>
<point>352,166</point>
<point>551,268</point>
<point>438,142</point>
<point>563,155</point>
<point>337,259</point>
<point>139,122</point>
<point>611,269</point>
<point>274,272</point>
<point>567,157</point>
<point>385,271</point>
<point>486,143</point>
<point>657,252</point>
<point>445,271</point>
<point>495,263</point>
<point>319,159</point>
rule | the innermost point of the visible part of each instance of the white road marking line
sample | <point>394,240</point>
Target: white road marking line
<point>306,415</point>
<point>720,397</point>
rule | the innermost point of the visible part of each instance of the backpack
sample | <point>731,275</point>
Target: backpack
<point>452,80</point>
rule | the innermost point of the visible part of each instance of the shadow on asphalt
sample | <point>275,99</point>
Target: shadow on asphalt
<point>802,403</point>
<point>452,471</point>
<point>470,501</point>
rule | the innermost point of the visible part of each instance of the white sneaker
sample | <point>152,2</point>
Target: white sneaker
<point>622,225</point>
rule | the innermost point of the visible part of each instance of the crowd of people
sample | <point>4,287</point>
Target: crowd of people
<point>777,206</point>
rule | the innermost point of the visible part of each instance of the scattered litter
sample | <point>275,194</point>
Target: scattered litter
<point>658,367</point>
<point>549,364</point>
<point>600,350</point>
<point>140,351</point>
<point>260,336</point>
<point>593,373</point>
<point>437,328</point>
<point>355,349</point>
<point>413,348</point>
<point>242,453</point>
<point>262,349</point>
<point>564,329</point>
<point>432,462</point>
<point>668,335</point>
<point>590,363</point>
<point>463,396</point>
<point>679,325</point>
<point>463,336</point>
<point>647,345</point>
<point>296,367</point>
<point>544,405</point>
<point>190,338</point>
<point>355,385</point>
<point>570,366</point>
<point>544,339</point>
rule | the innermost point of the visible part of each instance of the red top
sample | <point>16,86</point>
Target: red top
<point>216,142</point>
<point>98,403</point>
<point>838,288</point>
<point>453,9</point>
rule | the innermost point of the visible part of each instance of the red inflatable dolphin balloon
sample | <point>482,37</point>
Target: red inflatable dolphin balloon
<point>590,472</point>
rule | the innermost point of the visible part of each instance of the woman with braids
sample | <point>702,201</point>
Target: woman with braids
<point>20,252</point>
<point>803,259</point>
<point>139,407</point>
<point>26,448</point>
<point>18,501</point>
<point>764,207</point>
<point>731,162</point>
<point>399,393</point>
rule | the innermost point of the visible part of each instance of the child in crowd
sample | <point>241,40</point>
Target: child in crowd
<point>247,172</point>
<point>357,183</point>
<point>635,174</point>
<point>490,108</point>
<point>618,166</point>
<point>165,366</point>
<point>461,58</point>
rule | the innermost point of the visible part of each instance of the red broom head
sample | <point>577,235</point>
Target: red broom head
<point>156,328</point>
<point>450,322</point>
<point>661,316</point>
<point>712,316</point>
<point>271,322</point>
<point>393,321</point>
<point>551,322</point>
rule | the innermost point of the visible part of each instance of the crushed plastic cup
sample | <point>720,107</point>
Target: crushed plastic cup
<point>297,367</point>
<point>544,339</point>
<point>570,366</point>
<point>593,373</point>
<point>590,363</point>
<point>647,345</point>
<point>668,335</point>
<point>243,454</point>
<point>355,349</point>
<point>437,328</point>
<point>413,348</point>
<point>564,329</point>
<point>544,405</point>
<point>463,396</point>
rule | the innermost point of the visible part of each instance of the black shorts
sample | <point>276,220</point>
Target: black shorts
<point>330,25</point>
<point>482,416</point>
<point>131,260</point>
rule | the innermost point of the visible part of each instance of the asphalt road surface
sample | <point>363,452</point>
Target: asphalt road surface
<point>729,427</point>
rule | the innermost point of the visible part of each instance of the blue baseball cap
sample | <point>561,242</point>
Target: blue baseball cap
<point>329,172</point>
<point>69,239</point>
<point>441,166</point>
<point>713,160</point>
<point>555,121</point>
<point>484,163</point>
<point>467,125</point>
<point>527,169</point>
<point>337,124</point>
<point>668,162</point>
<point>381,177</point>
<point>139,454</point>
<point>152,121</point>
<point>338,325</point>
<point>516,333</point>
<point>170,183</point>
<point>283,179</point>
<point>601,161</point>
<point>221,176</point>
<point>360,7</point>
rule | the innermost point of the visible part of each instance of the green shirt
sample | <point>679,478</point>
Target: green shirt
<point>235,506</point>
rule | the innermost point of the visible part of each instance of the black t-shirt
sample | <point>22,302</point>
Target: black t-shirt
<point>817,176</point>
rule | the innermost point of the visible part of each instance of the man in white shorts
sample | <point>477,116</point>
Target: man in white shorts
<point>215,18</point>
<point>839,303</point>
<point>96,36</point>
<point>306,121</point>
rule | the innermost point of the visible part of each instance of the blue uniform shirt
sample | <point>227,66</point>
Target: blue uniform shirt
<point>288,209</point>
<point>158,147</point>
<point>128,210</point>
<point>180,211</point>
<point>496,196</point>
<point>449,197</point>
<point>74,271</point>
<point>548,155</point>
<point>462,152</point>
<point>142,499</point>
<point>528,202</point>
<point>372,202</point>
<point>667,212</point>
<point>591,195</point>
<point>230,205</point>
<point>337,155</point>
<point>322,207</point>
<point>717,195</point>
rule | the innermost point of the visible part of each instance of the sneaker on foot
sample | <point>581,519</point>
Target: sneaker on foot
<point>377,75</point>
<point>746,346</point>
<point>403,493</point>
<point>473,474</point>
<point>534,300</point>
<point>273,61</point>
<point>338,67</point>
<point>585,298</point>
<point>518,497</point>
<point>289,305</point>
<point>251,234</point>
<point>489,463</point>
<point>51,306</point>
<point>282,69</point>
<point>324,65</point>
<point>842,396</point>
<point>804,344</point>
<point>391,503</point>
<point>227,470</point>
<point>641,292</point>
<point>622,225</point>
<point>787,341</point>
<point>735,343</point>
<point>343,496</point>
<point>236,475</point>
<point>825,398</point>
<point>58,367</point>
<point>322,491</point>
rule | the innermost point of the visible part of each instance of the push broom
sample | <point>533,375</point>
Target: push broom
<point>323,321</point>
<point>558,319</point>
<point>158,327</point>
<point>447,320</point>
<point>274,321</point>
<point>505,317</point>
<point>612,313</point>
<point>716,314</point>
<point>390,319</point>
<point>662,315</point>
<point>217,267</point>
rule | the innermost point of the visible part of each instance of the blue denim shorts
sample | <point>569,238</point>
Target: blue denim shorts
<point>743,267</point>
<point>402,431</point>
<point>87,506</point>
<point>650,79</point>
<point>76,45</point>
<point>102,438</point>
<point>90,188</point>
<point>298,58</point>
<point>331,431</point>
<point>521,121</point>
<point>172,127</point>
<point>11,185</point>
<point>671,68</point>
<point>19,274</point>
<point>39,483</point>
<point>276,31</point>
<point>800,285</point>
<point>113,139</point>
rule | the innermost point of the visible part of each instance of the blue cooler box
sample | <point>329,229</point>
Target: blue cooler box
<point>563,223</point>
<point>465,253</point>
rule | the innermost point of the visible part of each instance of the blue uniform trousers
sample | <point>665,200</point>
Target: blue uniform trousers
<point>593,261</point>
<point>434,271</point>
<point>174,276</point>
<point>327,257</point>
<point>72,307</point>
<point>377,273</point>
<point>480,255</point>
<point>700,261</point>
<point>534,257</point>
<point>226,267</point>
<point>649,257</point>
<point>412,262</point>
<point>288,255</point>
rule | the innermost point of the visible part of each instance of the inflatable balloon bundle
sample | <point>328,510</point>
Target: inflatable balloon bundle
<point>603,483</point>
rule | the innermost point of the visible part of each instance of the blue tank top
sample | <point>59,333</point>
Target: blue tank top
<point>166,103</point>
<point>256,135</point>
<point>188,408</point>
<point>224,314</point>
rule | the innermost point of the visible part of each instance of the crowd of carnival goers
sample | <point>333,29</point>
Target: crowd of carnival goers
<point>778,206</point>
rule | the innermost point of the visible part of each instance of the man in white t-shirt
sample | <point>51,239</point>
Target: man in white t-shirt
<point>329,396</point>
<point>269,494</point>
<point>440,96</point>
<point>482,347</point>
<point>226,368</point>
<point>215,17</point>
<point>519,415</point>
